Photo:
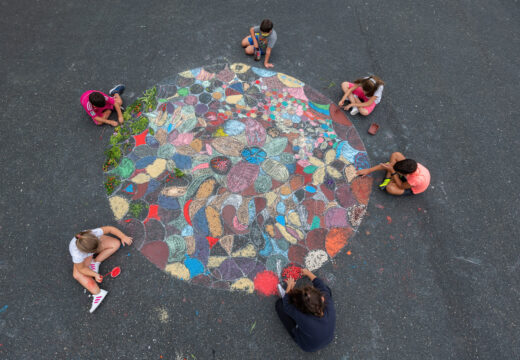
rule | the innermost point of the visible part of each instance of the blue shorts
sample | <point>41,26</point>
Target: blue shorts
<point>252,43</point>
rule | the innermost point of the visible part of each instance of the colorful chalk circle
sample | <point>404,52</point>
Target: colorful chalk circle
<point>235,177</point>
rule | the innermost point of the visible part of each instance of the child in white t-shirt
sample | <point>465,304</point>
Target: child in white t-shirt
<point>83,247</point>
<point>364,94</point>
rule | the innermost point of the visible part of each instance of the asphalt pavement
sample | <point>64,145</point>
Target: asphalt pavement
<point>433,276</point>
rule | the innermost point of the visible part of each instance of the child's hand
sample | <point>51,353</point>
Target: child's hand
<point>99,278</point>
<point>341,102</point>
<point>126,240</point>
<point>290,284</point>
<point>113,123</point>
<point>306,272</point>
<point>348,106</point>
<point>362,172</point>
<point>121,119</point>
<point>268,65</point>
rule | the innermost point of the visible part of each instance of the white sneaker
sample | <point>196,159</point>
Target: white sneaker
<point>97,299</point>
<point>281,290</point>
<point>354,111</point>
<point>94,266</point>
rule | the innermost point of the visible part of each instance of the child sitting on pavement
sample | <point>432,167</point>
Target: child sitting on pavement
<point>261,38</point>
<point>403,176</point>
<point>364,94</point>
<point>83,247</point>
<point>99,106</point>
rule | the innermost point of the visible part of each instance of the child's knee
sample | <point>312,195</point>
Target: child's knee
<point>344,86</point>
<point>249,50</point>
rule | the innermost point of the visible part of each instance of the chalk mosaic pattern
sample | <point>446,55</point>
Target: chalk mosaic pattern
<point>266,181</point>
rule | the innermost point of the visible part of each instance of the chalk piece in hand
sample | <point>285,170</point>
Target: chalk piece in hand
<point>372,130</point>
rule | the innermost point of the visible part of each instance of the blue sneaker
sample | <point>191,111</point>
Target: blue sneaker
<point>118,89</point>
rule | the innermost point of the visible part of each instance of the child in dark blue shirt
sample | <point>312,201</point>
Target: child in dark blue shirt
<point>308,314</point>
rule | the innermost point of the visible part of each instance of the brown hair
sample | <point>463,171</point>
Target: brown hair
<point>308,300</point>
<point>266,25</point>
<point>87,242</point>
<point>370,84</point>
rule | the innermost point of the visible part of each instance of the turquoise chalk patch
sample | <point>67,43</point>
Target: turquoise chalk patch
<point>315,223</point>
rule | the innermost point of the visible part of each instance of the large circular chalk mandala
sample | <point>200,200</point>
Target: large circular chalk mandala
<point>227,175</point>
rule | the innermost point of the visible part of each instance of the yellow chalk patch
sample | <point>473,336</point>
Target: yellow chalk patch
<point>178,270</point>
<point>162,313</point>
<point>215,261</point>
<point>243,284</point>
<point>247,251</point>
<point>350,173</point>
<point>219,133</point>
<point>190,244</point>
<point>119,206</point>
<point>140,178</point>
<point>285,234</point>
<point>294,218</point>
<point>271,198</point>
<point>187,74</point>
<point>233,99</point>
<point>156,168</point>
<point>239,68</point>
<point>290,81</point>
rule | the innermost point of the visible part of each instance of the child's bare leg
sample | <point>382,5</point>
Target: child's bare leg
<point>109,245</point>
<point>363,111</point>
<point>344,88</point>
<point>86,281</point>
<point>117,99</point>
<point>248,49</point>
<point>393,189</point>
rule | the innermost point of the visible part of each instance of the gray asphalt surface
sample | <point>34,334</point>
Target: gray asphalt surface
<point>438,282</point>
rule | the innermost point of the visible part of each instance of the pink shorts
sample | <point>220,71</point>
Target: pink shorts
<point>361,95</point>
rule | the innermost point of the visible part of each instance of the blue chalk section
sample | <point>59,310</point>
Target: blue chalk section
<point>151,141</point>
<point>280,208</point>
<point>310,189</point>
<point>263,72</point>
<point>320,110</point>
<point>152,186</point>
<point>195,72</point>
<point>281,220</point>
<point>291,168</point>
<point>170,127</point>
<point>234,127</point>
<point>168,202</point>
<point>194,266</point>
<point>187,231</point>
<point>132,156</point>
<point>182,161</point>
<point>252,210</point>
<point>238,87</point>
<point>268,248</point>
<point>348,152</point>
<point>200,223</point>
<point>144,162</point>
<point>129,188</point>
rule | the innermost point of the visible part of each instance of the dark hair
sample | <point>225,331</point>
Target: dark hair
<point>308,300</point>
<point>97,99</point>
<point>406,166</point>
<point>266,25</point>
<point>370,84</point>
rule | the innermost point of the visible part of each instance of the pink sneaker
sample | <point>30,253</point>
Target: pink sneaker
<point>97,299</point>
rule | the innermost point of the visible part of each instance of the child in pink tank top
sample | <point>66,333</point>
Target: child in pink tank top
<point>99,106</point>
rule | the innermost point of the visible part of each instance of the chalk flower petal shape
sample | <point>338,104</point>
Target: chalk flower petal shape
<point>268,178</point>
